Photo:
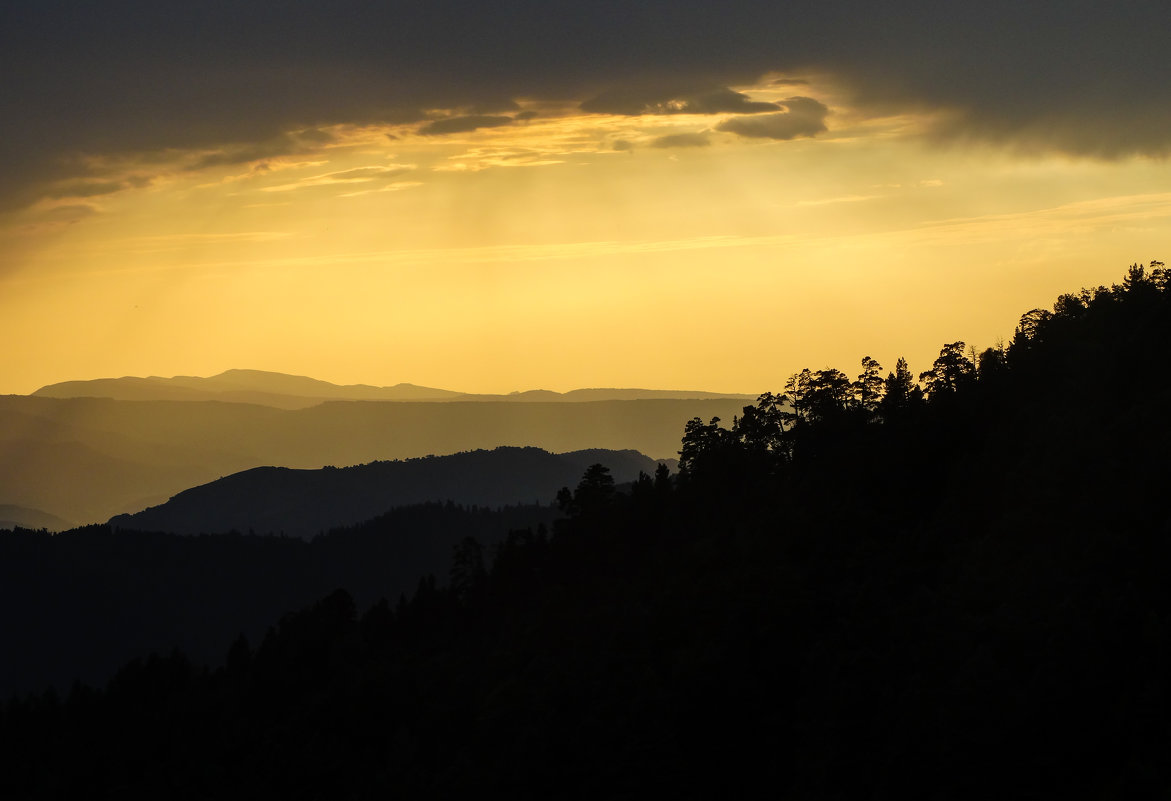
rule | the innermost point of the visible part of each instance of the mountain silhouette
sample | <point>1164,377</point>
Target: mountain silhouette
<point>23,517</point>
<point>298,392</point>
<point>88,459</point>
<point>239,386</point>
<point>302,503</point>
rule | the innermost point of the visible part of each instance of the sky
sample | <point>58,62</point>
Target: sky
<point>496,196</point>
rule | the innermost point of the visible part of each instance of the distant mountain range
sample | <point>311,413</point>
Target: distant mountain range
<point>19,516</point>
<point>298,392</point>
<point>303,503</point>
<point>88,459</point>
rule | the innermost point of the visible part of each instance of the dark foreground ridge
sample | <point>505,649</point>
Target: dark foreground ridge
<point>859,589</point>
<point>304,503</point>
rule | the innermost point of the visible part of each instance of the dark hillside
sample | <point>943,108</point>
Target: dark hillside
<point>303,503</point>
<point>76,605</point>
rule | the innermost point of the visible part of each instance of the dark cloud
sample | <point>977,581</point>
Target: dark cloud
<point>635,102</point>
<point>804,117</point>
<point>495,106</point>
<point>623,146</point>
<point>725,100</point>
<point>316,136</point>
<point>682,140</point>
<point>284,145</point>
<point>86,188</point>
<point>1088,78</point>
<point>526,115</point>
<point>471,122</point>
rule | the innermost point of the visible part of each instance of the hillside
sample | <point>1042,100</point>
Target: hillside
<point>76,605</point>
<point>303,503</point>
<point>944,587</point>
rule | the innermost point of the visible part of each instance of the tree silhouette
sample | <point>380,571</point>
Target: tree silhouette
<point>952,370</point>
<point>828,395</point>
<point>900,392</point>
<point>869,387</point>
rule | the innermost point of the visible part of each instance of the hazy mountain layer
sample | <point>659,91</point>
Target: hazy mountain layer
<point>238,386</point>
<point>298,392</point>
<point>23,517</point>
<point>302,503</point>
<point>88,459</point>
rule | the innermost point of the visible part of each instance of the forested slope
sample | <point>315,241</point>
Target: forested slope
<point>944,587</point>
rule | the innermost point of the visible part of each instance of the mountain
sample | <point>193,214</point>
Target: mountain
<point>298,392</point>
<point>88,459</point>
<point>585,395</point>
<point>22,517</point>
<point>238,386</point>
<point>302,503</point>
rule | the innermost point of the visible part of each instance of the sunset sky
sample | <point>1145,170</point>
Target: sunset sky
<point>495,196</point>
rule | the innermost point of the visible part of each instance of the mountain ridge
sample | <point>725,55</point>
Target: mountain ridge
<point>302,503</point>
<point>286,391</point>
<point>87,459</point>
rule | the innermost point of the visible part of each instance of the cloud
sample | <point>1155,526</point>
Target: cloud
<point>623,145</point>
<point>396,186</point>
<point>638,101</point>
<point>230,81</point>
<point>682,140</point>
<point>844,199</point>
<point>357,175</point>
<point>61,215</point>
<point>466,124</point>
<point>804,117</point>
<point>284,145</point>
<point>482,158</point>
<point>94,188</point>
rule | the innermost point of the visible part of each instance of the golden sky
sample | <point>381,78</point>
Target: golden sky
<point>700,240</point>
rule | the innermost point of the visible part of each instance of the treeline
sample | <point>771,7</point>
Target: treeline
<point>946,586</point>
<point>79,604</point>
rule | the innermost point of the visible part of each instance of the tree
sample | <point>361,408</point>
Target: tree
<point>900,392</point>
<point>1160,276</point>
<point>795,389</point>
<point>663,479</point>
<point>991,364</point>
<point>701,442</point>
<point>467,569</point>
<point>868,389</point>
<point>828,396</point>
<point>1136,279</point>
<point>595,491</point>
<point>952,370</point>
<point>761,426</point>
